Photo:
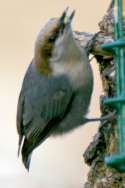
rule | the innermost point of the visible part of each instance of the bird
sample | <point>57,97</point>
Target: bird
<point>57,87</point>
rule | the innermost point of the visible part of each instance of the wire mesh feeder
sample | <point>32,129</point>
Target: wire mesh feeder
<point>117,47</point>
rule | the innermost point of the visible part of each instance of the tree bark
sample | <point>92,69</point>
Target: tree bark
<point>105,141</point>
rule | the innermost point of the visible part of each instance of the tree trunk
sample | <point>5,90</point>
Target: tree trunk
<point>105,141</point>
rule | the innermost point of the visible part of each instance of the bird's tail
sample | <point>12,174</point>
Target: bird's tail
<point>34,139</point>
<point>26,154</point>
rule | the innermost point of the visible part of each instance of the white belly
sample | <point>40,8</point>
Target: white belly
<point>80,74</point>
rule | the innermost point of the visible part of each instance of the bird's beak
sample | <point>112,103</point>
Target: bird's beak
<point>66,19</point>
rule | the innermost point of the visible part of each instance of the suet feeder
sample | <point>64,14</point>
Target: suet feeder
<point>117,47</point>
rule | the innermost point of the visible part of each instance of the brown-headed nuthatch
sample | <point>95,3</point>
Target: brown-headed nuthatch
<point>57,87</point>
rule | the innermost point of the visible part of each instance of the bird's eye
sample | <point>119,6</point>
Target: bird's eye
<point>52,39</point>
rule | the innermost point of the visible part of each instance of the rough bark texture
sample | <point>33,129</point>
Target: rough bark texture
<point>105,141</point>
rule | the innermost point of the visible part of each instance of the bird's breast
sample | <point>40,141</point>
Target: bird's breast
<point>79,74</point>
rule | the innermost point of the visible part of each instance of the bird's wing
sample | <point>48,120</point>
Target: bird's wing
<point>46,105</point>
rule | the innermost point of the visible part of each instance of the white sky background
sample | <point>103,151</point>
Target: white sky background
<point>58,162</point>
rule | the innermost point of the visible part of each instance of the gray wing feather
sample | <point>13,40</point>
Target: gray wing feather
<point>19,119</point>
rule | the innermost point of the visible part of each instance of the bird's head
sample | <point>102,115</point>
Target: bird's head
<point>54,33</point>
